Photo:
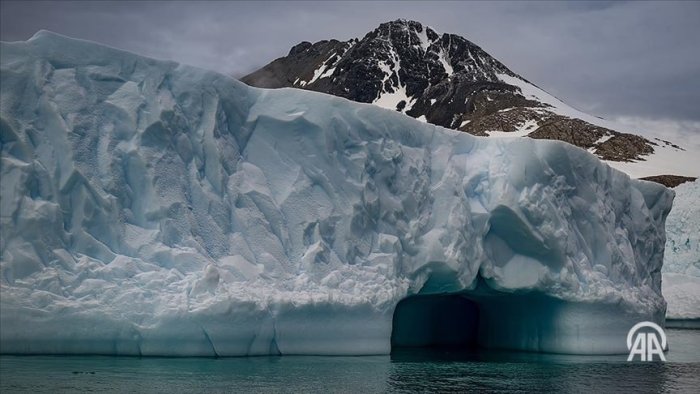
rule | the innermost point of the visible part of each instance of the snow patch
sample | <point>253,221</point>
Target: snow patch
<point>424,41</point>
<point>603,139</point>
<point>325,70</point>
<point>523,130</point>
<point>444,60</point>
<point>390,100</point>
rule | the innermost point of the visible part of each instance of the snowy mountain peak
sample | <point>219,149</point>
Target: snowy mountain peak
<point>394,66</point>
<point>413,32</point>
<point>446,80</point>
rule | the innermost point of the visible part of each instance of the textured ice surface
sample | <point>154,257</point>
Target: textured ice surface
<point>681,270</point>
<point>158,209</point>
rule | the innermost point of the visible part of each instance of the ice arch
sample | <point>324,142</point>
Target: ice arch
<point>435,321</point>
<point>490,319</point>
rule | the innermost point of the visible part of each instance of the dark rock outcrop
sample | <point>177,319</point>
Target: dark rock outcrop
<point>670,180</point>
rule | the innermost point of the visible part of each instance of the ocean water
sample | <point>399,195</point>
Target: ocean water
<point>403,371</point>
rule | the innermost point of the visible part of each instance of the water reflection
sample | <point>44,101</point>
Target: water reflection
<point>448,370</point>
<point>432,370</point>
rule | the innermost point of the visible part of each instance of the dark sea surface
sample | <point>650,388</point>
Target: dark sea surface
<point>404,371</point>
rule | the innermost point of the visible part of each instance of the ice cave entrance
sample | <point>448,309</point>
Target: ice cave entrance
<point>435,321</point>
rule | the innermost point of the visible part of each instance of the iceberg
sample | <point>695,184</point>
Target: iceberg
<point>681,269</point>
<point>152,208</point>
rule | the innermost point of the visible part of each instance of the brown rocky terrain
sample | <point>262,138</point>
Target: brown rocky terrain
<point>670,180</point>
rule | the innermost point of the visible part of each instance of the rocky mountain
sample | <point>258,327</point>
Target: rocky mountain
<point>446,80</point>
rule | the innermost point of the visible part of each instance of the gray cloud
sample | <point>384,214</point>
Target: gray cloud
<point>626,60</point>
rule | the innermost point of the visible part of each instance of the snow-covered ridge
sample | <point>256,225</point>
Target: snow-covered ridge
<point>150,208</point>
<point>667,158</point>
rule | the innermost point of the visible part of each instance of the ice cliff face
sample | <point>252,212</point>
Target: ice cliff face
<point>681,271</point>
<point>150,208</point>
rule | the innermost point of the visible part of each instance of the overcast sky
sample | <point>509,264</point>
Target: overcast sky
<point>634,62</point>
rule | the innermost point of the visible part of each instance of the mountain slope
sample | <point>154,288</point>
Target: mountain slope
<point>451,82</point>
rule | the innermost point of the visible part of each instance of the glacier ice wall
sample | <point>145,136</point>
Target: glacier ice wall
<point>681,270</point>
<point>150,208</point>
